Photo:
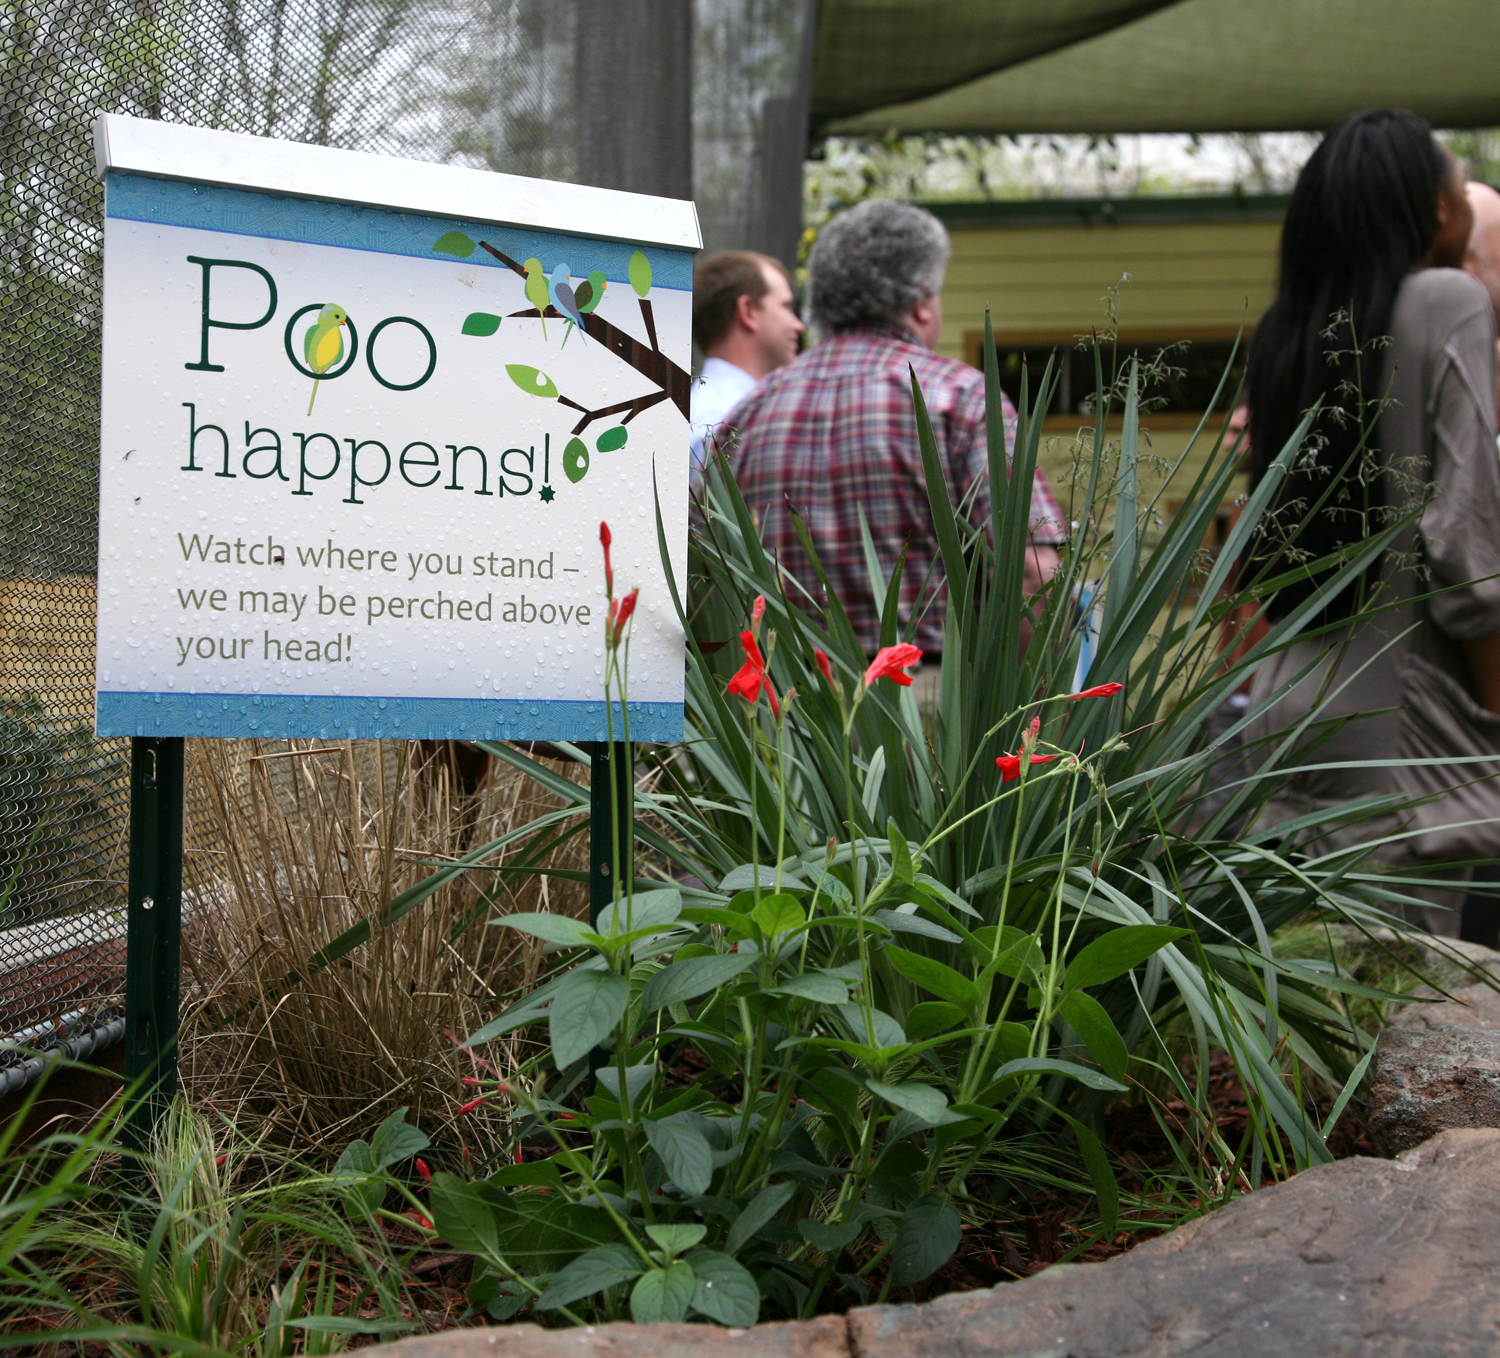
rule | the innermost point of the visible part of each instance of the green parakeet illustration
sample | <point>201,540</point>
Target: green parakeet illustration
<point>590,292</point>
<point>323,344</point>
<point>537,291</point>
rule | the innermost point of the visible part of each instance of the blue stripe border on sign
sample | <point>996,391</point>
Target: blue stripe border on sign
<point>241,212</point>
<point>323,717</point>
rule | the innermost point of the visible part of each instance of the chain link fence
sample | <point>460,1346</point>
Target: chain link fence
<point>530,87</point>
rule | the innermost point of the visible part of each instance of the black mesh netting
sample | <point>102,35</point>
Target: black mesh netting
<point>511,85</point>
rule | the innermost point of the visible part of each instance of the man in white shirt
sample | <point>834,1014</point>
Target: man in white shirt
<point>745,322</point>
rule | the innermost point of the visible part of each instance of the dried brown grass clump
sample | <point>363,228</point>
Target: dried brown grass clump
<point>290,844</point>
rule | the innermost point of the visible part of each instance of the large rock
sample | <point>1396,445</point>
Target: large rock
<point>1363,1257</point>
<point>1426,1080</point>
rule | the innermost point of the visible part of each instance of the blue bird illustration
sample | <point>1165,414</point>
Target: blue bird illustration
<point>565,301</point>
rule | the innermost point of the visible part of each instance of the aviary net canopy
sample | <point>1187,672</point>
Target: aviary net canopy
<point>1193,66</point>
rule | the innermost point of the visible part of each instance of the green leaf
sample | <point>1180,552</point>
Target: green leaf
<point>640,273</point>
<point>461,1216</point>
<point>637,1078</point>
<point>947,896</point>
<point>395,1140</point>
<point>564,929</point>
<point>643,910</point>
<point>828,1238</point>
<point>930,1019</point>
<point>611,439</point>
<point>936,978</point>
<point>758,1211</point>
<point>901,861</point>
<point>585,1008</point>
<point>888,1033</point>
<point>724,1290</point>
<point>663,1294</point>
<point>1090,1021</point>
<point>454,243</point>
<point>589,1273</point>
<point>481,323</point>
<point>1117,952</point>
<point>778,914</point>
<point>927,1103</point>
<point>813,985</point>
<point>497,1296</point>
<point>675,1240</point>
<point>1105,1184</point>
<point>532,381</point>
<point>684,1153</point>
<point>930,1232</point>
<point>359,1177</point>
<point>743,878</point>
<point>681,981</point>
<point>1051,1065</point>
<point>913,924</point>
<point>576,460</point>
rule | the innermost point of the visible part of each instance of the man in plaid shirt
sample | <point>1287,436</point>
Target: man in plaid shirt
<point>833,432</point>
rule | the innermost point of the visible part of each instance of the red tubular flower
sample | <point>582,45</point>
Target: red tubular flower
<point>219,1160</point>
<point>1102,691</point>
<point>825,668</point>
<point>472,1105</point>
<point>470,1080</point>
<point>424,1171</point>
<point>891,664</point>
<point>752,673</point>
<point>518,1155</point>
<point>757,612</point>
<point>424,1223</point>
<point>775,706</point>
<point>1010,764</point>
<point>605,539</point>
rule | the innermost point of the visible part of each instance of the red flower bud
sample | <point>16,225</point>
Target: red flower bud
<point>472,1105</point>
<point>424,1171</point>
<point>605,539</point>
<point>826,668</point>
<point>1102,691</point>
<point>757,612</point>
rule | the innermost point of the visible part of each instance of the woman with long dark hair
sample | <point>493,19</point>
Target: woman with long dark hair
<point>1375,326</point>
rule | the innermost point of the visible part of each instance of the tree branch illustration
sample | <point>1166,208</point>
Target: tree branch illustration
<point>673,383</point>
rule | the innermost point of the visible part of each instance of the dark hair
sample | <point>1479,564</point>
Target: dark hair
<point>1362,214</point>
<point>719,281</point>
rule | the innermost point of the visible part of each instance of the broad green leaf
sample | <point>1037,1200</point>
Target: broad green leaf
<point>585,1008</point>
<point>949,898</point>
<point>935,977</point>
<point>663,1294</point>
<point>532,381</point>
<point>758,1211</point>
<point>888,1033</point>
<point>930,1019</point>
<point>611,439</point>
<point>564,929</point>
<point>454,243</point>
<point>1105,1185</point>
<point>360,1179</point>
<point>644,910</point>
<point>828,1238</point>
<point>1088,1019</point>
<point>1052,1065</point>
<point>674,1240</point>
<point>637,1078</point>
<point>778,914</point>
<point>461,1216</point>
<point>743,878</point>
<point>930,1232</point>
<point>496,1296</point>
<point>396,1140</point>
<point>640,273</point>
<point>915,924</point>
<point>813,985</point>
<point>927,1103</point>
<point>481,323</point>
<point>1117,952</point>
<point>684,1153</point>
<point>589,1273</point>
<point>681,981</point>
<point>902,866</point>
<point>724,1290</point>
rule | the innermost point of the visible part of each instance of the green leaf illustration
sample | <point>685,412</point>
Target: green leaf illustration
<point>481,323</point>
<point>576,460</point>
<point>454,243</point>
<point>640,273</point>
<point>611,439</point>
<point>532,381</point>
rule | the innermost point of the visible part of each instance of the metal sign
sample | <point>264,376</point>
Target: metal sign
<point>361,421</point>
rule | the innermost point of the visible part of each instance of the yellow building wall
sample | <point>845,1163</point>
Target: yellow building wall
<point>1188,280</point>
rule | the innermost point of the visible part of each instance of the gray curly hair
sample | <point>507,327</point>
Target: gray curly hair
<point>874,263</point>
